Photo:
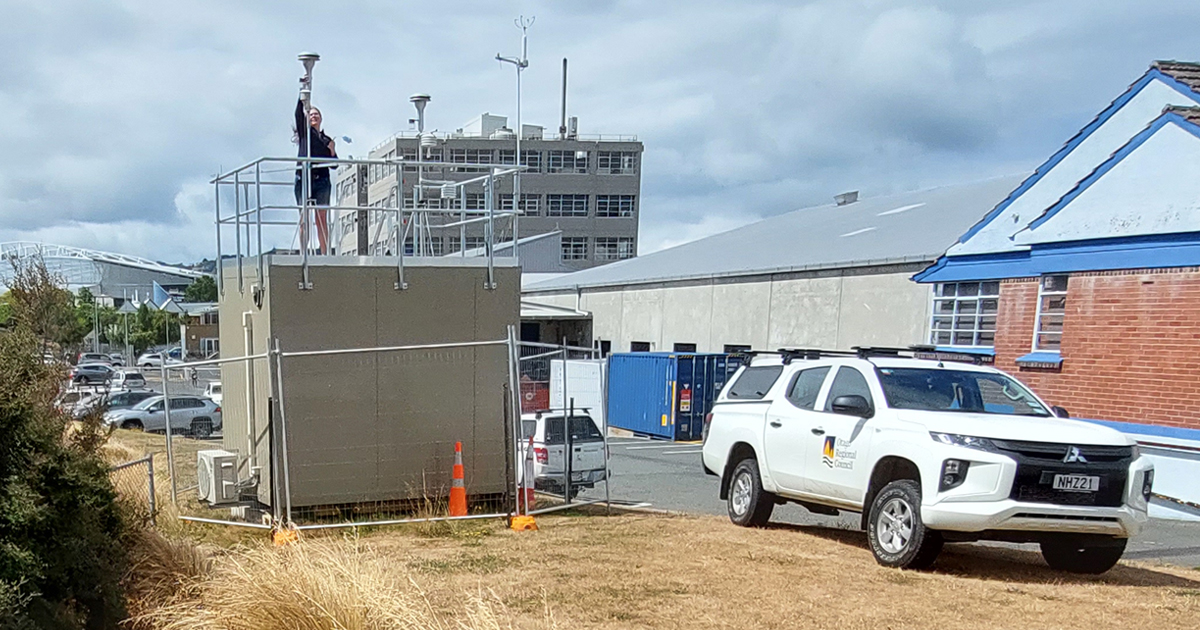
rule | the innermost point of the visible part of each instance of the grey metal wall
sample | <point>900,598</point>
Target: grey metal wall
<point>382,426</point>
<point>837,308</point>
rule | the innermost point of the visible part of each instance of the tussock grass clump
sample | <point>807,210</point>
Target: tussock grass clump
<point>314,585</point>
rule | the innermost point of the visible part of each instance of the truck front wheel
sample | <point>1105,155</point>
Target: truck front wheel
<point>895,531</point>
<point>749,505</point>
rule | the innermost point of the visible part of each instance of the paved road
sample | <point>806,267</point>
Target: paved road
<point>669,476</point>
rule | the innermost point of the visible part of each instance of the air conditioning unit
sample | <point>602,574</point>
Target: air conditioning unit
<point>217,475</point>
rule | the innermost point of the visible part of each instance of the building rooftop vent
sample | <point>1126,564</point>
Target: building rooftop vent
<point>846,198</point>
<point>504,133</point>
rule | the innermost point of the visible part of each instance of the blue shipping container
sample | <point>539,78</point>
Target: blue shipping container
<point>665,394</point>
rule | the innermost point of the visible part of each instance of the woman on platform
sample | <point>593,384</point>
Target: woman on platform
<point>308,118</point>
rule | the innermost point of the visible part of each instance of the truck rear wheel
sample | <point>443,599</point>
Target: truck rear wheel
<point>749,505</point>
<point>895,531</point>
<point>1078,557</point>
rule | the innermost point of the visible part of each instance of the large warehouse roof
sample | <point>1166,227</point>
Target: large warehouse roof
<point>903,228</point>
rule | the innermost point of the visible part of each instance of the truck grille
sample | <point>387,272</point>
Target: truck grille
<point>1039,462</point>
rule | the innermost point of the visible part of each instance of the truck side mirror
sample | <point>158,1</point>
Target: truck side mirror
<point>1061,412</point>
<point>852,405</point>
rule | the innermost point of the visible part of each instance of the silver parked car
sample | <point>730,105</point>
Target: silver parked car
<point>194,415</point>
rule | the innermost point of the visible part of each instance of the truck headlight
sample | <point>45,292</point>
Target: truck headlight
<point>1148,483</point>
<point>968,441</point>
<point>954,473</point>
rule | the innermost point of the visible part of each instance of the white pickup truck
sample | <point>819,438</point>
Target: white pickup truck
<point>929,451</point>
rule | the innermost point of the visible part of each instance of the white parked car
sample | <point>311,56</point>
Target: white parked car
<point>155,359</point>
<point>72,398</point>
<point>213,391</point>
<point>127,379</point>
<point>588,461</point>
<point>929,451</point>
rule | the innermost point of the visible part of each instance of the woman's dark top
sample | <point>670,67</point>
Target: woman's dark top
<point>320,143</point>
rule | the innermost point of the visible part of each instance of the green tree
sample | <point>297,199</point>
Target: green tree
<point>5,309</point>
<point>41,305</point>
<point>88,313</point>
<point>61,557</point>
<point>204,289</point>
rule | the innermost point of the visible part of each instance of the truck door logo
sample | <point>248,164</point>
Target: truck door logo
<point>828,453</point>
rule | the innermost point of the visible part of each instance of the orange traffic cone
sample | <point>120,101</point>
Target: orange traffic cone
<point>458,491</point>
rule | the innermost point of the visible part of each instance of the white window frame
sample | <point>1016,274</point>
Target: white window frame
<point>1038,333</point>
<point>569,205</point>
<point>614,247</point>
<point>938,295</point>
<point>616,162</point>
<point>574,248</point>
<point>615,206</point>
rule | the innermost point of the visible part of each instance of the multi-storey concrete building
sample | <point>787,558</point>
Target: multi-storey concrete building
<point>586,187</point>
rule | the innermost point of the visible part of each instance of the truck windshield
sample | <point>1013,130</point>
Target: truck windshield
<point>957,391</point>
<point>582,430</point>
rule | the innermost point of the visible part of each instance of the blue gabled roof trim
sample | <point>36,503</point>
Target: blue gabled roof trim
<point>1156,251</point>
<point>1041,357</point>
<point>1116,158</point>
<point>1136,87</point>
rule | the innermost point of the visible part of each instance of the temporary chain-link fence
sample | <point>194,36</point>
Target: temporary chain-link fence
<point>366,436</point>
<point>134,483</point>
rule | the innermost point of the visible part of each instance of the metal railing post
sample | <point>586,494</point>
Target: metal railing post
<point>490,198</point>
<point>400,238</point>
<point>520,483</point>
<point>258,218</point>
<point>220,271</point>
<point>272,434</point>
<point>153,500</point>
<point>283,446</point>
<point>569,409</point>
<point>237,226</point>
<point>170,448</point>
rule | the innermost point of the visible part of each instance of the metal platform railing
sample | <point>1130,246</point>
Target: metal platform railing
<point>254,191</point>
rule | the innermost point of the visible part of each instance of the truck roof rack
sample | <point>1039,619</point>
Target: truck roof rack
<point>919,351</point>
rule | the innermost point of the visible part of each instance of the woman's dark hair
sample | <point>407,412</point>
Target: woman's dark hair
<point>296,132</point>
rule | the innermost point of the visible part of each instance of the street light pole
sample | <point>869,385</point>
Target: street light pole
<point>520,65</point>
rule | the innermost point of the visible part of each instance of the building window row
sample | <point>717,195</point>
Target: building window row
<point>616,162</point>
<point>614,247</point>
<point>557,161</point>
<point>559,205</point>
<point>614,205</point>
<point>608,248</point>
<point>964,314</point>
<point>555,204</point>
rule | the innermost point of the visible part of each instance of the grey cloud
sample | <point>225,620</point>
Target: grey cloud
<point>115,113</point>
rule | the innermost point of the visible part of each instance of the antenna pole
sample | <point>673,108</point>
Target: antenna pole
<point>562,126</point>
<point>520,64</point>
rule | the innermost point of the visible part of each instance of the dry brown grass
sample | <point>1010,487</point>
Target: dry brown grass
<point>326,584</point>
<point>642,571</point>
<point>654,571</point>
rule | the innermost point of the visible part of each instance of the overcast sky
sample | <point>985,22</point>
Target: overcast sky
<point>117,113</point>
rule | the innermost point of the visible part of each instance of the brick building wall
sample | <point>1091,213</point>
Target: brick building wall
<point>1130,345</point>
